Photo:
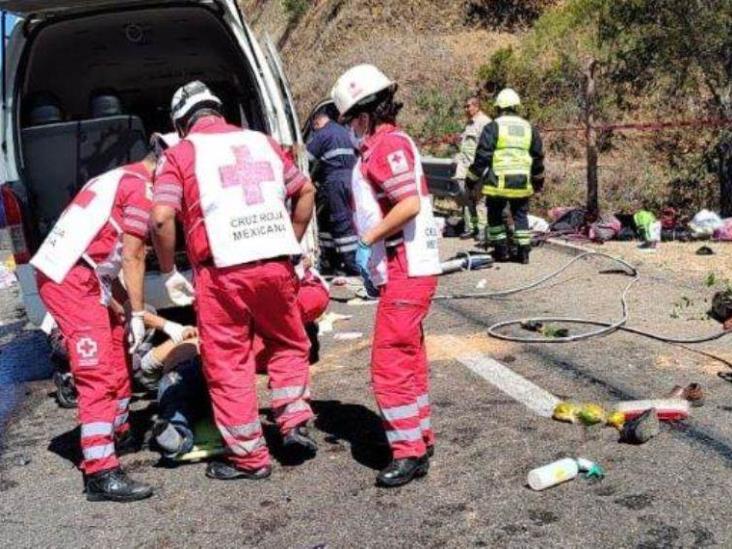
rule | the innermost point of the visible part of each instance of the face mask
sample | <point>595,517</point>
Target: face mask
<point>356,141</point>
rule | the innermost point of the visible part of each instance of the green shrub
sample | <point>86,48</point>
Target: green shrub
<point>295,9</point>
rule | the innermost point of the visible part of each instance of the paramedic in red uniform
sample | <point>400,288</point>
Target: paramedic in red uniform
<point>398,253</point>
<point>101,232</point>
<point>229,186</point>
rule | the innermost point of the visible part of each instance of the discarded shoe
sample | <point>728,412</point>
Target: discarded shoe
<point>402,471</point>
<point>705,250</point>
<point>299,439</point>
<point>115,485</point>
<point>641,429</point>
<point>220,470</point>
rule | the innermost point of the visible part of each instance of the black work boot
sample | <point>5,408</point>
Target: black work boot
<point>500,252</point>
<point>221,470</point>
<point>115,485</point>
<point>430,450</point>
<point>402,471</point>
<point>523,254</point>
<point>299,440</point>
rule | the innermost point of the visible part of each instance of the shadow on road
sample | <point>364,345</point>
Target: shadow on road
<point>68,446</point>
<point>357,425</point>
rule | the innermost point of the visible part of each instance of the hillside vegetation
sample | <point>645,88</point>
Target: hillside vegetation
<point>656,61</point>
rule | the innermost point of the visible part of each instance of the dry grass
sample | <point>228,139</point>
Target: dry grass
<point>423,44</point>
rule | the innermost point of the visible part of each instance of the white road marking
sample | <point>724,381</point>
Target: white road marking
<point>514,385</point>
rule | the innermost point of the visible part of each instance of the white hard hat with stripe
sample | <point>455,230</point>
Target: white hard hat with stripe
<point>189,96</point>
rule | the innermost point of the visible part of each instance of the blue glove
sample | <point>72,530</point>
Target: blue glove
<point>363,256</point>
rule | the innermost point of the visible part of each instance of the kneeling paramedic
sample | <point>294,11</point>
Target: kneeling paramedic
<point>510,163</point>
<point>101,232</point>
<point>398,252</point>
<point>230,187</point>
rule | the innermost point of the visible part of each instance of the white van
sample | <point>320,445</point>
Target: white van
<point>58,56</point>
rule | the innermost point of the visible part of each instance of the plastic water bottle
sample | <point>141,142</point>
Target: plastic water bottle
<point>553,474</point>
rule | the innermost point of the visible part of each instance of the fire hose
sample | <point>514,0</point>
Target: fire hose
<point>604,328</point>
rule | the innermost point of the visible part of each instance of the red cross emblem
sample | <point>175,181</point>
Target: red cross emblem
<point>84,198</point>
<point>247,174</point>
<point>86,347</point>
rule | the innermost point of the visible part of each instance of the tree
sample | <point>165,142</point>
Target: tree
<point>683,50</point>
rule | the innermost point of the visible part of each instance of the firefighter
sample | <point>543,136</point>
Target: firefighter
<point>398,253</point>
<point>510,164</point>
<point>101,232</point>
<point>229,186</point>
<point>475,214</point>
<point>333,157</point>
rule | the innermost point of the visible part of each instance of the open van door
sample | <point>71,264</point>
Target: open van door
<point>28,8</point>
<point>275,63</point>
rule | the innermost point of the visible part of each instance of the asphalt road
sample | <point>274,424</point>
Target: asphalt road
<point>671,492</point>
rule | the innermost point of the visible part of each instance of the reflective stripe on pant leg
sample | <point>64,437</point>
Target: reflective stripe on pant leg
<point>397,344</point>
<point>497,234</point>
<point>277,317</point>
<point>523,238</point>
<point>226,333</point>
<point>346,244</point>
<point>85,324</point>
<point>242,440</point>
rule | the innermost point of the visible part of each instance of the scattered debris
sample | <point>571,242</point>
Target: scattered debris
<point>482,284</point>
<point>552,474</point>
<point>548,331</point>
<point>692,392</point>
<point>347,336</point>
<point>7,277</point>
<point>590,469</point>
<point>641,429</point>
<point>670,409</point>
<point>329,319</point>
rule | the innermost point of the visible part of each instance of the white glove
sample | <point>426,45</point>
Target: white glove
<point>136,333</point>
<point>180,291</point>
<point>175,331</point>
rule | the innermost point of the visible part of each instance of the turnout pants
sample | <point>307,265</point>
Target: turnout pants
<point>337,236</point>
<point>231,304</point>
<point>399,366</point>
<point>497,232</point>
<point>95,340</point>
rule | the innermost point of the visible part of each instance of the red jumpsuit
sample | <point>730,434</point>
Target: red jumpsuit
<point>399,367</point>
<point>230,303</point>
<point>94,335</point>
<point>312,301</point>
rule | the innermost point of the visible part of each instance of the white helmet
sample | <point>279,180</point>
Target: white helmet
<point>359,85</point>
<point>187,97</point>
<point>507,98</point>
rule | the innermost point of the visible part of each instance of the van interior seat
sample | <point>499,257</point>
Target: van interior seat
<point>60,158</point>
